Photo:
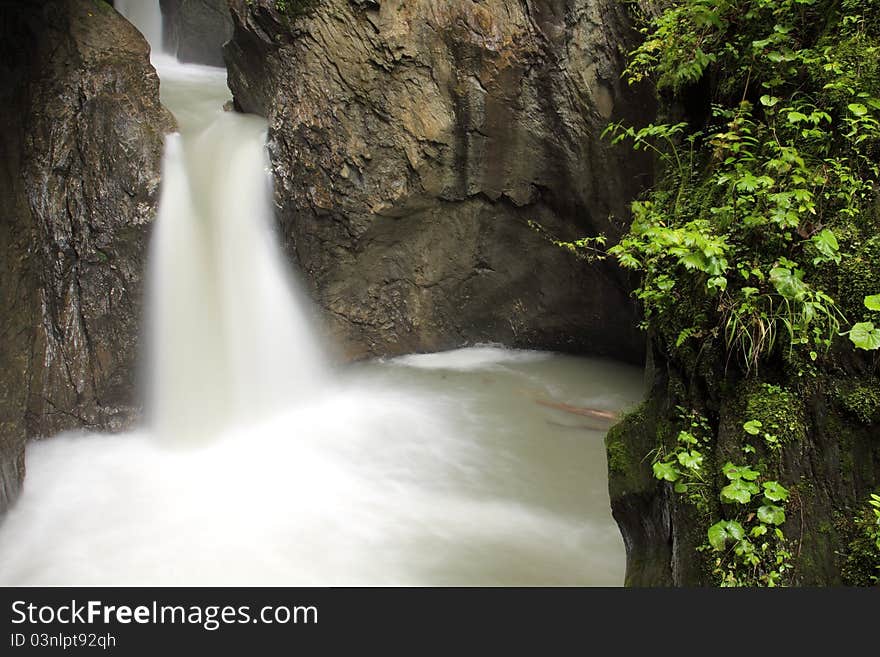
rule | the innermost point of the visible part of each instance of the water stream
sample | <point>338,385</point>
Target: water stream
<point>259,464</point>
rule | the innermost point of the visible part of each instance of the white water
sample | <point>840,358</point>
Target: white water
<point>260,467</point>
<point>230,341</point>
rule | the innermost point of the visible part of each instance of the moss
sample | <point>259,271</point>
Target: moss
<point>861,560</point>
<point>618,456</point>
<point>859,276</point>
<point>861,399</point>
<point>627,445</point>
<point>780,411</point>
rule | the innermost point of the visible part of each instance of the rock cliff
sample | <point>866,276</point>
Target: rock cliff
<point>414,142</point>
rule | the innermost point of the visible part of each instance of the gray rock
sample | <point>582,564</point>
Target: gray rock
<point>413,142</point>
<point>195,30</point>
<point>82,134</point>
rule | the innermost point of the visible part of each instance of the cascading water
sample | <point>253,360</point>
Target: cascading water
<point>457,468</point>
<point>230,341</point>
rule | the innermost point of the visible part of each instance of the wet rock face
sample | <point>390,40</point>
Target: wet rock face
<point>82,135</point>
<point>195,30</point>
<point>413,142</point>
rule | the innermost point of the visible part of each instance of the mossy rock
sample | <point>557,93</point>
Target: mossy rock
<point>861,559</point>
<point>860,398</point>
<point>779,410</point>
<point>626,445</point>
<point>859,277</point>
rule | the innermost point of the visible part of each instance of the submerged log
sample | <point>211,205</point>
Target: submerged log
<point>579,410</point>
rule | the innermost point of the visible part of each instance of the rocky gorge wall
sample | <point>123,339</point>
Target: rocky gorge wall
<point>82,134</point>
<point>829,460</point>
<point>413,143</point>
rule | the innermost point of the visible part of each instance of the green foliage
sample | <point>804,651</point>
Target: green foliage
<point>686,464</point>
<point>589,249</point>
<point>756,208</point>
<point>775,415</point>
<point>865,335</point>
<point>861,398</point>
<point>748,545</point>
<point>759,247</point>
<point>750,550</point>
<point>862,563</point>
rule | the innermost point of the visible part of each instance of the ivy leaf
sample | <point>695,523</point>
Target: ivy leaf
<point>739,490</point>
<point>686,438</point>
<point>771,514</point>
<point>724,530</point>
<point>872,302</point>
<point>864,336</point>
<point>826,244</point>
<point>753,427</point>
<point>857,108</point>
<point>769,101</point>
<point>758,530</point>
<point>734,472</point>
<point>665,471</point>
<point>691,460</point>
<point>787,282</point>
<point>775,492</point>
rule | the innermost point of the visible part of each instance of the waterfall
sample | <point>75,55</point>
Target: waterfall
<point>230,339</point>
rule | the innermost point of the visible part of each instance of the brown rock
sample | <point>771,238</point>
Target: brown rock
<point>412,142</point>
<point>82,134</point>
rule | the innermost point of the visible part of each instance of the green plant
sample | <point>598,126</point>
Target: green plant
<point>685,465</point>
<point>776,190</point>
<point>750,549</point>
<point>864,335</point>
<point>748,545</point>
<point>862,564</point>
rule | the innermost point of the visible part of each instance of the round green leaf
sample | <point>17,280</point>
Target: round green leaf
<point>665,471</point>
<point>718,535</point>
<point>872,302</point>
<point>725,530</point>
<point>739,490</point>
<point>775,492</point>
<point>690,460</point>
<point>771,514</point>
<point>752,427</point>
<point>864,336</point>
<point>758,530</point>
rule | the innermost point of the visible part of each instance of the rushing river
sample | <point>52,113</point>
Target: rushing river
<point>261,464</point>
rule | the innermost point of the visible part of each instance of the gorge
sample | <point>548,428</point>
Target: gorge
<point>349,309</point>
